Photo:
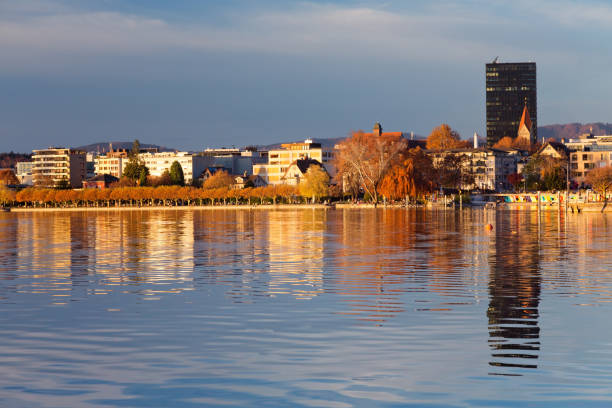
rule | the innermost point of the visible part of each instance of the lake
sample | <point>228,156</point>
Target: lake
<point>305,308</point>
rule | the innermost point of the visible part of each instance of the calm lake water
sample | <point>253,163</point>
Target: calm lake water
<point>305,308</point>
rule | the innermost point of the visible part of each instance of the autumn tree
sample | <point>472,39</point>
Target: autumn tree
<point>454,172</point>
<point>7,196</point>
<point>163,180</point>
<point>505,142</point>
<point>315,183</point>
<point>444,138</point>
<point>600,180</point>
<point>412,176</point>
<point>364,160</point>
<point>221,178</point>
<point>8,177</point>
<point>176,174</point>
<point>515,179</point>
<point>544,172</point>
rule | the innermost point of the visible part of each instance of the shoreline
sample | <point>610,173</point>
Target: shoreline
<point>573,208</point>
<point>181,207</point>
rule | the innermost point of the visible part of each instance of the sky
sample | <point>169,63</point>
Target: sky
<point>193,74</point>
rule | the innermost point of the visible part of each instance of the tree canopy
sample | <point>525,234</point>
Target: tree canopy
<point>443,137</point>
<point>363,160</point>
<point>176,174</point>
<point>7,176</point>
<point>315,183</point>
<point>600,180</point>
<point>221,178</point>
<point>543,172</point>
<point>412,176</point>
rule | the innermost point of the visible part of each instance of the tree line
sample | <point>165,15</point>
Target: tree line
<point>149,196</point>
<point>217,189</point>
<point>385,165</point>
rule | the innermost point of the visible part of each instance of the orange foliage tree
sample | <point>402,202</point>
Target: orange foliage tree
<point>364,159</point>
<point>220,179</point>
<point>443,138</point>
<point>412,176</point>
<point>8,177</point>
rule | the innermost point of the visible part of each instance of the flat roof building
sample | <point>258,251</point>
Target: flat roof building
<point>56,164</point>
<point>510,88</point>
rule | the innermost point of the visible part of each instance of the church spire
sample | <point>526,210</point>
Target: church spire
<point>525,125</point>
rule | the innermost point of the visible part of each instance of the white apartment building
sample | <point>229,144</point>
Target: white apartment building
<point>281,159</point>
<point>110,164</point>
<point>53,165</point>
<point>157,163</point>
<point>24,172</point>
<point>490,168</point>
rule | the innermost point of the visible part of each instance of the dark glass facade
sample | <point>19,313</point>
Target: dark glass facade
<point>509,87</point>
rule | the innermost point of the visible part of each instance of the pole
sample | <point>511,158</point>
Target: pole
<point>567,188</point>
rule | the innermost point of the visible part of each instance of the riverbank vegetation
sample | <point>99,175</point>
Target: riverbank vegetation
<point>149,196</point>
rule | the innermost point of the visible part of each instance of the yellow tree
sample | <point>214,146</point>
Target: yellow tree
<point>601,181</point>
<point>7,196</point>
<point>443,138</point>
<point>315,183</point>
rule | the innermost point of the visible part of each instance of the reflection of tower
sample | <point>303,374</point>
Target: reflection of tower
<point>514,291</point>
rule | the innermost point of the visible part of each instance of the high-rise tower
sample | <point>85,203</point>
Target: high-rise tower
<point>510,88</point>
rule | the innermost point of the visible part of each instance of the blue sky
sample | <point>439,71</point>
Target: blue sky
<point>193,74</point>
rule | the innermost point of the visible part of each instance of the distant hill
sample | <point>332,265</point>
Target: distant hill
<point>573,130</point>
<point>9,160</point>
<point>104,147</point>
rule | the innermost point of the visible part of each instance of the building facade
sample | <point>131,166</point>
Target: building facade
<point>24,172</point>
<point>489,168</point>
<point>193,165</point>
<point>510,87</point>
<point>588,152</point>
<point>58,165</point>
<point>280,160</point>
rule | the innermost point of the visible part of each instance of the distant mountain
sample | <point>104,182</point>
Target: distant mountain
<point>104,147</point>
<point>573,130</point>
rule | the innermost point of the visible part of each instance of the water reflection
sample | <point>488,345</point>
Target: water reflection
<point>377,307</point>
<point>514,293</point>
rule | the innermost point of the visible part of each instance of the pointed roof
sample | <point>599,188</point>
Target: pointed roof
<point>525,119</point>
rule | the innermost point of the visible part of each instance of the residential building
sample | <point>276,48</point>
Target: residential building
<point>279,160</point>
<point>114,161</point>
<point>236,160</point>
<point>100,181</point>
<point>24,172</point>
<point>588,152</point>
<point>489,167</point>
<point>193,165</point>
<point>510,88</point>
<point>56,164</point>
<point>244,180</point>
<point>297,170</point>
<point>110,164</point>
<point>554,149</point>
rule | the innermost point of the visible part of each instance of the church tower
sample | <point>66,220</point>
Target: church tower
<point>525,129</point>
<point>377,131</point>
